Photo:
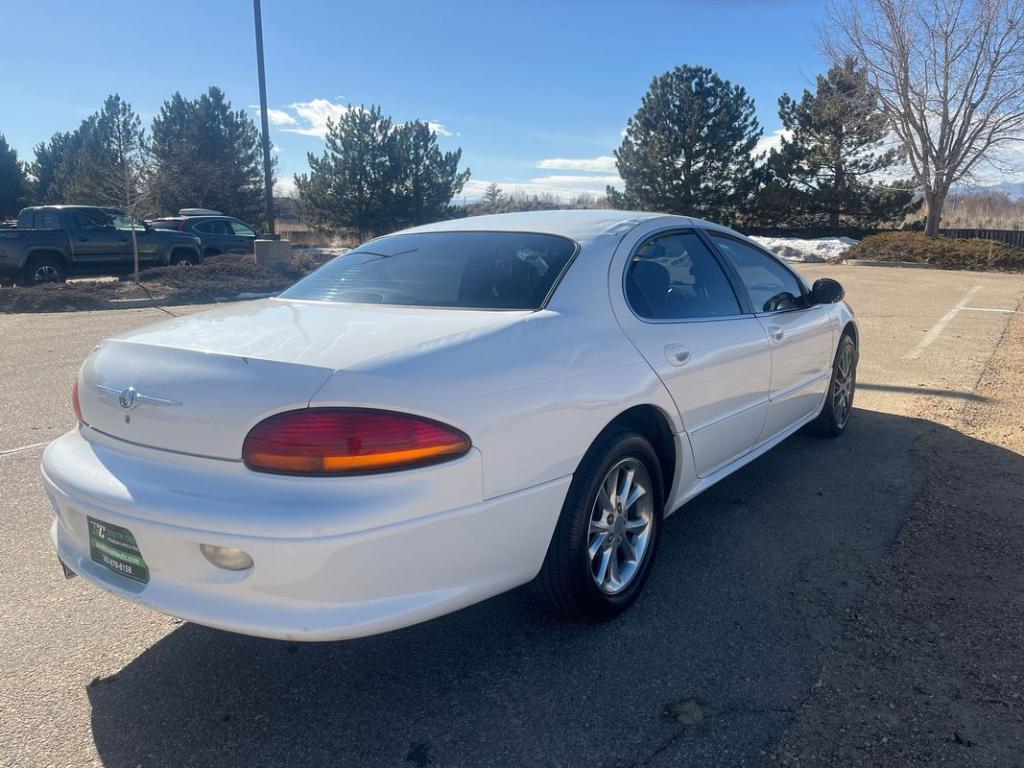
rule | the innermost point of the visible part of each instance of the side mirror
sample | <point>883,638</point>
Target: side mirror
<point>827,291</point>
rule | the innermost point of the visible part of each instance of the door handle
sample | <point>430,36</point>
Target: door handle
<point>677,354</point>
<point>83,239</point>
<point>776,332</point>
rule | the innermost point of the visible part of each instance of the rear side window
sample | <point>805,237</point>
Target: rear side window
<point>465,270</point>
<point>241,230</point>
<point>213,228</point>
<point>38,219</point>
<point>771,286</point>
<point>167,223</point>
<point>676,277</point>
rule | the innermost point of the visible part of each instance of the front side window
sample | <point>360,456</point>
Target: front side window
<point>771,286</point>
<point>125,223</point>
<point>676,277</point>
<point>464,270</point>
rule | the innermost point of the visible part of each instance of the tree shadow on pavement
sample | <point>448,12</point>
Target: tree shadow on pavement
<point>751,589</point>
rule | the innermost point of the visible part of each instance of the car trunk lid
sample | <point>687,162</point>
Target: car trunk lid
<point>197,384</point>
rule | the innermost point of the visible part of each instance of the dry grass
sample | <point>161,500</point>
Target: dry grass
<point>217,278</point>
<point>943,252</point>
<point>301,235</point>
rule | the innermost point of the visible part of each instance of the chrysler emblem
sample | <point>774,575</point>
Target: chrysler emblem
<point>127,397</point>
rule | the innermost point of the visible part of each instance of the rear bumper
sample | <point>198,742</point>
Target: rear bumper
<point>345,584</point>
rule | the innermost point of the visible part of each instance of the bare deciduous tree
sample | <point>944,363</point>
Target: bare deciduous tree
<point>950,78</point>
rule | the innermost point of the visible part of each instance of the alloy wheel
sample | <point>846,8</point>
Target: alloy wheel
<point>842,387</point>
<point>45,273</point>
<point>621,524</point>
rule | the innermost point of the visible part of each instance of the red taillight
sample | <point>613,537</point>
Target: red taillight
<point>342,441</point>
<point>76,406</point>
<point>181,225</point>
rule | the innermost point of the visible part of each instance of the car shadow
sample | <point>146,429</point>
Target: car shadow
<point>751,589</point>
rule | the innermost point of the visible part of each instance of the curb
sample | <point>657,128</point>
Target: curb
<point>156,301</point>
<point>874,263</point>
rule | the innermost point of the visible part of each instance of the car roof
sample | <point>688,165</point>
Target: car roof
<point>63,207</point>
<point>580,225</point>
<point>190,216</point>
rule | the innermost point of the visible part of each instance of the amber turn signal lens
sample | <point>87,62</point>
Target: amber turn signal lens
<point>341,441</point>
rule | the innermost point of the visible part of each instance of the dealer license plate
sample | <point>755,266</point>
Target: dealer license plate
<point>115,547</point>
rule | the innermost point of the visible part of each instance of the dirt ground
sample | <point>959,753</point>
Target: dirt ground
<point>217,278</point>
<point>929,670</point>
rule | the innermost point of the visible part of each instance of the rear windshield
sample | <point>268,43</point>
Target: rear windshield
<point>466,270</point>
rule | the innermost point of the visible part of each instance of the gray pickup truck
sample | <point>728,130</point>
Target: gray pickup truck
<point>53,242</point>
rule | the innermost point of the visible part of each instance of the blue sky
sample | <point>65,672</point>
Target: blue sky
<point>535,93</point>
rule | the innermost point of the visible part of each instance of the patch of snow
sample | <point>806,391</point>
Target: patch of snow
<point>821,249</point>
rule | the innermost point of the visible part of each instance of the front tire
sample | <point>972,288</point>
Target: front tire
<point>607,535</point>
<point>835,414</point>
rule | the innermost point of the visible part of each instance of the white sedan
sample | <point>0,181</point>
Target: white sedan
<point>441,415</point>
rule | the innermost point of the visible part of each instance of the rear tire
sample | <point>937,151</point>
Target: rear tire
<point>607,535</point>
<point>45,269</point>
<point>835,414</point>
<point>184,258</point>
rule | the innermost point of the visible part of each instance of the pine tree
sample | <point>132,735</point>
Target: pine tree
<point>493,194</point>
<point>825,172</point>
<point>102,162</point>
<point>109,165</point>
<point>377,175</point>
<point>52,164</point>
<point>206,155</point>
<point>688,148</point>
<point>12,180</point>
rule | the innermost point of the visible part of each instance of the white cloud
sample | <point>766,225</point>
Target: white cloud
<point>602,163</point>
<point>562,187</point>
<point>440,129</point>
<point>280,117</point>
<point>284,186</point>
<point>572,181</point>
<point>309,118</point>
<point>772,141</point>
<point>313,116</point>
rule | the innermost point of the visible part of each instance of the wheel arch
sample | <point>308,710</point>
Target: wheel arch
<point>653,423</point>
<point>191,249</point>
<point>850,329</point>
<point>46,251</point>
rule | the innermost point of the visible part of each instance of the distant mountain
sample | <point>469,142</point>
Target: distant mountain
<point>1012,189</point>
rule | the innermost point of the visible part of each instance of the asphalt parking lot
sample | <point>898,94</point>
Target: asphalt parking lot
<point>751,592</point>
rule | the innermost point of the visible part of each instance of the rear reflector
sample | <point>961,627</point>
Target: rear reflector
<point>344,441</point>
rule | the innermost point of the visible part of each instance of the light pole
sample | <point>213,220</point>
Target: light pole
<point>268,176</point>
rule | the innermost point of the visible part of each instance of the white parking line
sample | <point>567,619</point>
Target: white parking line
<point>936,330</point>
<point>23,448</point>
<point>987,309</point>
